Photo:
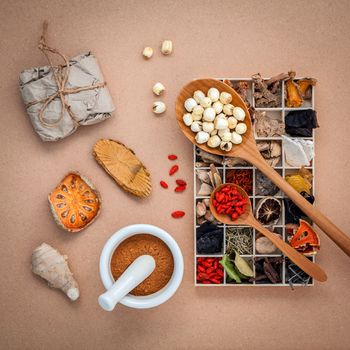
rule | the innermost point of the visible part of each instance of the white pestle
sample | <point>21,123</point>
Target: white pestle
<point>137,272</point>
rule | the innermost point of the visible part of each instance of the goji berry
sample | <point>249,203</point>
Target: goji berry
<point>180,188</point>
<point>173,170</point>
<point>181,182</point>
<point>172,157</point>
<point>178,214</point>
<point>164,184</point>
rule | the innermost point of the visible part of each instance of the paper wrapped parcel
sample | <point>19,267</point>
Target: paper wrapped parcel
<point>88,107</point>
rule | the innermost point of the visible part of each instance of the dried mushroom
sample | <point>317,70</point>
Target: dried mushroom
<point>123,166</point>
<point>268,211</point>
<point>301,122</point>
<point>75,203</point>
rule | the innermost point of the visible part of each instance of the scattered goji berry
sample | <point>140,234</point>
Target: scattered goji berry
<point>173,170</point>
<point>164,184</point>
<point>180,188</point>
<point>178,214</point>
<point>172,157</point>
<point>181,182</point>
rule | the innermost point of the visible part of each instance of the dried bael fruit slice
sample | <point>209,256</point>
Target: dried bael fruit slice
<point>268,211</point>
<point>125,168</point>
<point>75,203</point>
<point>305,239</point>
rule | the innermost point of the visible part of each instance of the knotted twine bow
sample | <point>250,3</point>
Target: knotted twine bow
<point>61,74</point>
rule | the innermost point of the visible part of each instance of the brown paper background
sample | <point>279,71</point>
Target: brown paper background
<point>211,38</point>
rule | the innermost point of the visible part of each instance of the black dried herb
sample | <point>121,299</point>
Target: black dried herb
<point>209,239</point>
<point>292,212</point>
<point>301,123</point>
<point>295,275</point>
<point>264,186</point>
<point>268,270</point>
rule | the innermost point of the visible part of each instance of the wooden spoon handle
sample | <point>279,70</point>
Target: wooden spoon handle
<point>333,232</point>
<point>304,263</point>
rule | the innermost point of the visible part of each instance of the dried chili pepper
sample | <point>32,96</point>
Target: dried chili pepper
<point>173,170</point>
<point>172,157</point>
<point>163,184</point>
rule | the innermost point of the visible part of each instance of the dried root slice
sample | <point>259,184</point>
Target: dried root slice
<point>75,203</point>
<point>52,266</point>
<point>123,166</point>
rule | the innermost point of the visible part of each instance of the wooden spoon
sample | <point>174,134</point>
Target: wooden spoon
<point>248,219</point>
<point>248,151</point>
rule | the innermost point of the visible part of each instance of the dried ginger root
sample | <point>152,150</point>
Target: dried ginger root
<point>52,266</point>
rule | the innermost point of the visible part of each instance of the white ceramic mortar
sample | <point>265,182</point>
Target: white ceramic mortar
<point>152,300</point>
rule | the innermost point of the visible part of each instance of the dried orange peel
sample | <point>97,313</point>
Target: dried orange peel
<point>75,203</point>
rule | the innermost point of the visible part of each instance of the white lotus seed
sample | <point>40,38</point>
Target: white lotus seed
<point>223,131</point>
<point>187,119</point>
<point>198,110</point>
<point>236,138</point>
<point>158,89</point>
<point>198,95</point>
<point>202,137</point>
<point>208,127</point>
<point>218,107</point>
<point>209,114</point>
<point>196,126</point>
<point>147,52</point>
<point>228,109</point>
<point>205,102</point>
<point>239,113</point>
<point>232,122</point>
<point>226,136</point>
<point>190,103</point>
<point>213,94</point>
<point>220,123</point>
<point>225,97</point>
<point>226,146</point>
<point>214,141</point>
<point>241,128</point>
<point>158,107</point>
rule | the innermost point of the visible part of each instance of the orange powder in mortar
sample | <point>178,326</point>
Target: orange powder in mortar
<point>144,244</point>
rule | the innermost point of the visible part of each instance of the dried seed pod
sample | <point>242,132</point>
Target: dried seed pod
<point>167,47</point>
<point>147,52</point>
<point>158,89</point>
<point>75,203</point>
<point>123,166</point>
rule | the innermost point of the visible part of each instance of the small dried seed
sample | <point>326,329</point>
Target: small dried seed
<point>65,213</point>
<point>60,196</point>
<point>87,208</point>
<point>72,219</point>
<point>82,217</point>
<point>60,205</point>
<point>88,200</point>
<point>64,188</point>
